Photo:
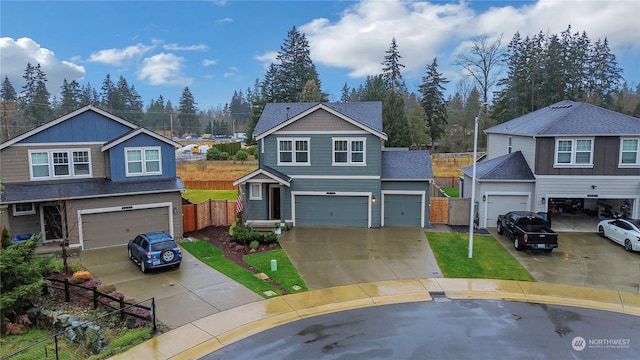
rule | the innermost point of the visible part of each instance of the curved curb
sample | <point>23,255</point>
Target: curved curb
<point>216,331</point>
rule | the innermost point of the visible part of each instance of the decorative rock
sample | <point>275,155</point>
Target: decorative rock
<point>261,276</point>
<point>269,293</point>
<point>296,288</point>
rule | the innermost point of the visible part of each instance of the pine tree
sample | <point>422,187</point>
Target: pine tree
<point>391,69</point>
<point>71,96</point>
<point>9,98</point>
<point>394,120</point>
<point>35,101</point>
<point>187,118</point>
<point>433,102</point>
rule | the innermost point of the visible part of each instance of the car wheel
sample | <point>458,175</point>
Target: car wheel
<point>500,229</point>
<point>168,256</point>
<point>130,255</point>
<point>516,243</point>
<point>142,267</point>
<point>627,245</point>
<point>601,231</point>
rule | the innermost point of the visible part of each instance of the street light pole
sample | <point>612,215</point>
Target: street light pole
<point>473,183</point>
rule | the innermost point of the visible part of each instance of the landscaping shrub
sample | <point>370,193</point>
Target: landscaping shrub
<point>270,238</point>
<point>6,238</point>
<point>254,245</point>
<point>242,155</point>
<point>216,154</point>
<point>253,150</point>
<point>230,148</point>
<point>79,277</point>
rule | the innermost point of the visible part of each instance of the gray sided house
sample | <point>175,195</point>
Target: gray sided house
<point>92,178</point>
<point>325,165</point>
<point>569,157</point>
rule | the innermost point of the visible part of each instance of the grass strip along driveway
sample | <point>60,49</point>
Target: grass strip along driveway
<point>286,276</point>
<point>490,259</point>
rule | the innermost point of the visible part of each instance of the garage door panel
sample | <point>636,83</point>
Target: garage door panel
<point>502,204</point>
<point>117,228</point>
<point>332,211</point>
<point>402,210</point>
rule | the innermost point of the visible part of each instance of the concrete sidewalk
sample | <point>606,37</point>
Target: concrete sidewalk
<point>206,335</point>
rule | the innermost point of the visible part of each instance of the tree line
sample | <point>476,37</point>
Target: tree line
<point>538,71</point>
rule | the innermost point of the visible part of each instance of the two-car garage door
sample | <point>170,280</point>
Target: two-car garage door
<point>331,211</point>
<point>112,228</point>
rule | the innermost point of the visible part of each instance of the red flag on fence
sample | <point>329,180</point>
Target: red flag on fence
<point>239,207</point>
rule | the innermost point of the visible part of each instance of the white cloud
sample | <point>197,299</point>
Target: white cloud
<point>233,71</point>
<point>425,30</point>
<point>209,62</point>
<point>15,54</point>
<point>176,47</point>
<point>118,56</point>
<point>224,21</point>
<point>267,58</point>
<point>163,69</point>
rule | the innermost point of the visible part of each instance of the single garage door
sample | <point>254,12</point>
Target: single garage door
<point>502,204</point>
<point>402,210</point>
<point>331,211</point>
<point>118,227</point>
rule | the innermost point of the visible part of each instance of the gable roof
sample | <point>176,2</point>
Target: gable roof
<point>406,165</point>
<point>136,132</point>
<point>366,115</point>
<point>506,167</point>
<point>570,118</point>
<point>64,118</point>
<point>267,171</point>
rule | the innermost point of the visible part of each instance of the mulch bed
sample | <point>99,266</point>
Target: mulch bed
<point>219,236</point>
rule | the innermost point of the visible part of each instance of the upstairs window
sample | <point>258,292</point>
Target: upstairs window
<point>629,152</point>
<point>48,164</point>
<point>349,151</point>
<point>143,161</point>
<point>293,151</point>
<point>574,152</point>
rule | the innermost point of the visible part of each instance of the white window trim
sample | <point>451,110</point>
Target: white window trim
<point>637,163</point>
<point>16,212</point>
<point>71,164</point>
<point>252,193</point>
<point>293,151</point>
<point>509,145</point>
<point>349,141</point>
<point>144,162</point>
<point>573,163</point>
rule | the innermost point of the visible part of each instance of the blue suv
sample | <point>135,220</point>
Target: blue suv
<point>154,250</point>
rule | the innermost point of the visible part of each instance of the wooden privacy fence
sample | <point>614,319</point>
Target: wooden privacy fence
<point>447,181</point>
<point>209,185</point>
<point>208,213</point>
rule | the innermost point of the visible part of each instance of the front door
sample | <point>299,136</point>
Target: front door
<point>274,202</point>
<point>52,223</point>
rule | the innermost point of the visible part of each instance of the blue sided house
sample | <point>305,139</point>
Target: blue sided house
<point>91,178</point>
<point>326,165</point>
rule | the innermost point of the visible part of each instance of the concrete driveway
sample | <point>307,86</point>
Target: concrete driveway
<point>582,259</point>
<point>182,295</point>
<point>327,257</point>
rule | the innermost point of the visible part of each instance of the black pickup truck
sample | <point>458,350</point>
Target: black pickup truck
<point>527,230</point>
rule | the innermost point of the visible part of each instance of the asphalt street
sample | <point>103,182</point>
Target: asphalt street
<point>448,329</point>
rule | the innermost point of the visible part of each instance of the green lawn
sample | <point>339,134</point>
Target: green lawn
<point>214,257</point>
<point>286,274</point>
<point>198,196</point>
<point>490,259</point>
<point>453,192</point>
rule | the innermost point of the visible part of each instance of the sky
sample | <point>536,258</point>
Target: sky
<point>218,47</point>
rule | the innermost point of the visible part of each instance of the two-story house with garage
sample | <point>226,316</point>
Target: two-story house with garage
<point>325,165</point>
<point>567,158</point>
<point>92,178</point>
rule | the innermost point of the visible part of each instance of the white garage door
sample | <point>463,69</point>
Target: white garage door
<point>118,227</point>
<point>502,204</point>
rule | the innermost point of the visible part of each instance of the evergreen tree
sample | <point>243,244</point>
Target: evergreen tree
<point>8,92</point>
<point>374,89</point>
<point>345,93</point>
<point>35,97</point>
<point>394,120</point>
<point>240,112</point>
<point>187,118</point>
<point>9,98</point>
<point>71,96</point>
<point>108,97</point>
<point>89,96</point>
<point>391,69</point>
<point>418,127</point>
<point>433,102</point>
<point>295,68</point>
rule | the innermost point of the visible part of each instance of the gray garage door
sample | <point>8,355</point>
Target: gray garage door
<point>502,204</point>
<point>332,211</point>
<point>402,210</point>
<point>117,228</point>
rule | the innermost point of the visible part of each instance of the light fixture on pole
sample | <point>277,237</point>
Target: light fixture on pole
<point>473,182</point>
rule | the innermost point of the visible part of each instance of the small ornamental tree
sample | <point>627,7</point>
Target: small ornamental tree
<point>21,277</point>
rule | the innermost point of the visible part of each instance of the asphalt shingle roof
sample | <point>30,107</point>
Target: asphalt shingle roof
<point>507,167</point>
<point>570,118</point>
<point>406,164</point>
<point>36,191</point>
<point>368,113</point>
